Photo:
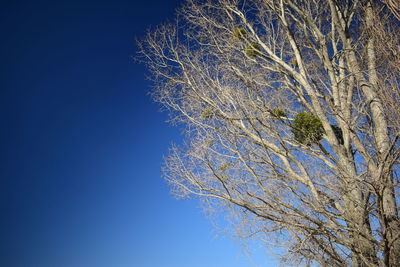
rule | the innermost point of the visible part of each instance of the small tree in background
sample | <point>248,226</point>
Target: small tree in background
<point>292,117</point>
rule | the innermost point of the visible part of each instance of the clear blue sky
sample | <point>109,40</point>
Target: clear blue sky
<point>82,145</point>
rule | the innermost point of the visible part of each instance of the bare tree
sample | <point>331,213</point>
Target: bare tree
<point>292,120</point>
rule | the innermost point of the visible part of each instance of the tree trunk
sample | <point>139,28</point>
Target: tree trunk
<point>389,209</point>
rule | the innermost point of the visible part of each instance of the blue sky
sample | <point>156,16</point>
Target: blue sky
<point>82,145</point>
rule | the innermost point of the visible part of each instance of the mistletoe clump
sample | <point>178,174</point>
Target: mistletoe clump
<point>277,112</point>
<point>207,113</point>
<point>253,49</point>
<point>239,33</point>
<point>307,128</point>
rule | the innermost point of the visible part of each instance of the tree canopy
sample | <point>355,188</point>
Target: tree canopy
<point>292,120</point>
